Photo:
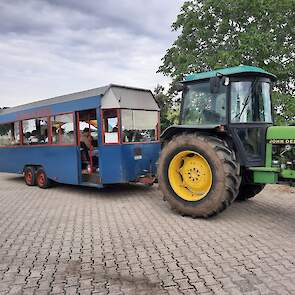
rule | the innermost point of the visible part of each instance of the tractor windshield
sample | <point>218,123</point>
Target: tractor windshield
<point>250,102</point>
<point>201,106</point>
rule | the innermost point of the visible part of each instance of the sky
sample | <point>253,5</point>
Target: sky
<point>55,47</point>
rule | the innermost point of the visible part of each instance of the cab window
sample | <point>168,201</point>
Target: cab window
<point>201,106</point>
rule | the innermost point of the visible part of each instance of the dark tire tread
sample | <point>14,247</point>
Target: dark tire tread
<point>33,171</point>
<point>47,183</point>
<point>229,164</point>
<point>248,191</point>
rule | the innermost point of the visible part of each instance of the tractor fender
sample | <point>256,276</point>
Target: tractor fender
<point>175,129</point>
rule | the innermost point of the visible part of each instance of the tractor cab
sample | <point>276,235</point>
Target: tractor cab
<point>237,100</point>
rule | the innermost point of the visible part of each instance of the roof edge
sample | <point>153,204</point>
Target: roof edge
<point>99,91</point>
<point>230,71</point>
<point>128,87</point>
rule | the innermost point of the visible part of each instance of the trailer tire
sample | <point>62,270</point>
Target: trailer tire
<point>225,174</point>
<point>42,180</point>
<point>248,191</point>
<point>30,176</point>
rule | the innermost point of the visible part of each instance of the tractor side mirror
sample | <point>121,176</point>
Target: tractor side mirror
<point>215,84</point>
<point>178,87</point>
<point>225,81</point>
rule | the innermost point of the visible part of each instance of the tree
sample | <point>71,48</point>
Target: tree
<point>169,111</point>
<point>222,33</point>
<point>284,106</point>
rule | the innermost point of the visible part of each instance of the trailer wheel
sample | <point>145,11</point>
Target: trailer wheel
<point>249,191</point>
<point>30,176</point>
<point>198,175</point>
<point>42,179</point>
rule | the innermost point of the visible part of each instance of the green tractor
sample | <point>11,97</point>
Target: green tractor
<point>225,147</point>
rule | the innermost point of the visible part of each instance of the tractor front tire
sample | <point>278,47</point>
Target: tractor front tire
<point>198,175</point>
<point>248,191</point>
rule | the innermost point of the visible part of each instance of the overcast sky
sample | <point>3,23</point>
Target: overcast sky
<point>54,47</point>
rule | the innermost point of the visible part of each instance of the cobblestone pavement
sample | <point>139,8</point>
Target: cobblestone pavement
<point>125,240</point>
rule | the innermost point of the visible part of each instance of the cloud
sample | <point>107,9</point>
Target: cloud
<point>150,18</point>
<point>54,47</point>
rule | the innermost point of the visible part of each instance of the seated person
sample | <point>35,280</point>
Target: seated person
<point>34,137</point>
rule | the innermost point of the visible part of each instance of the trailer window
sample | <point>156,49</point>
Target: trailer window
<point>35,131</point>
<point>110,126</point>
<point>9,134</point>
<point>63,131</point>
<point>139,126</point>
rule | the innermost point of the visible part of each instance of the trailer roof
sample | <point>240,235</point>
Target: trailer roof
<point>129,98</point>
<point>114,96</point>
<point>229,72</point>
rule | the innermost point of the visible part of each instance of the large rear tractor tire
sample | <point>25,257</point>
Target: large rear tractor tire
<point>198,175</point>
<point>248,191</point>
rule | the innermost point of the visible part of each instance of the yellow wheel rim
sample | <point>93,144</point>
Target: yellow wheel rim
<point>190,175</point>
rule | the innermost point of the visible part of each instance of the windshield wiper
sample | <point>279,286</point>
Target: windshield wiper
<point>246,101</point>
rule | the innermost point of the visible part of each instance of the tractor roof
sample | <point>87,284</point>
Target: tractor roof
<point>233,71</point>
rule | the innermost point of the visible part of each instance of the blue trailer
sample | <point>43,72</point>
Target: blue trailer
<point>100,136</point>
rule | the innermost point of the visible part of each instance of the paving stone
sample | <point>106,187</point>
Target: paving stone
<point>125,240</point>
